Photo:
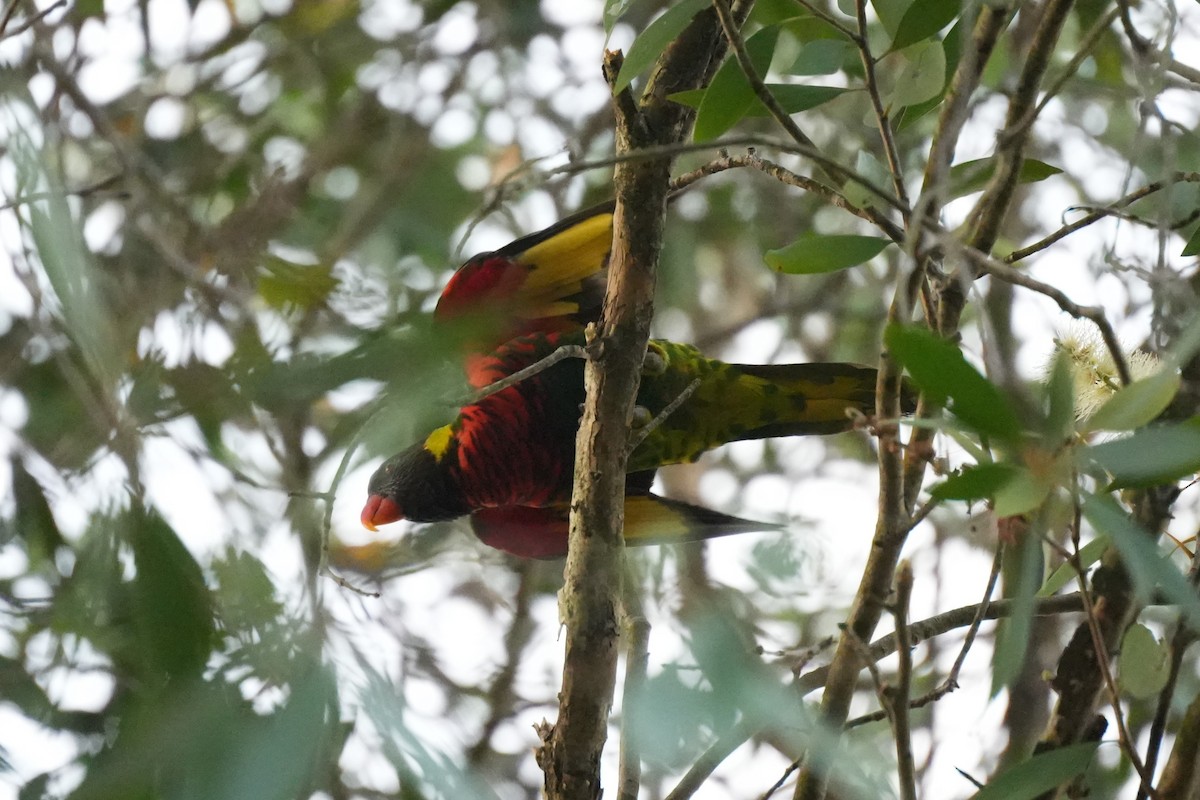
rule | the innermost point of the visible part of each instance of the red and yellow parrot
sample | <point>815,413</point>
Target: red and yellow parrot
<point>507,460</point>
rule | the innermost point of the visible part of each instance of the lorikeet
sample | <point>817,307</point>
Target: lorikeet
<point>552,281</point>
<point>547,282</point>
<point>516,448</point>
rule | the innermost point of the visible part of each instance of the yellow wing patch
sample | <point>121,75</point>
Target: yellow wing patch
<point>558,265</point>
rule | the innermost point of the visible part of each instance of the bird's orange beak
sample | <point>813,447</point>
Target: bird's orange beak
<point>379,510</point>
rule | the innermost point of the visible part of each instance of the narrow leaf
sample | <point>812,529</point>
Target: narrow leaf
<point>821,57</point>
<point>1139,552</point>
<point>793,98</point>
<point>812,253</point>
<point>1039,774</point>
<point>34,520</point>
<point>923,19</point>
<point>941,370</point>
<point>1022,494</point>
<point>647,47</point>
<point>975,483</point>
<point>1192,248</point>
<point>1136,404</point>
<point>172,605</point>
<point>972,176</point>
<point>1060,399</point>
<point>729,96</point>
<point>613,9</point>
<point>1150,456</point>
<point>1088,554</point>
<point>1023,568</point>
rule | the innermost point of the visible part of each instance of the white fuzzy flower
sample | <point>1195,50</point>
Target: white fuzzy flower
<point>1093,368</point>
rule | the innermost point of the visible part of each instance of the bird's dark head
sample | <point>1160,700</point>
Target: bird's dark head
<point>414,485</point>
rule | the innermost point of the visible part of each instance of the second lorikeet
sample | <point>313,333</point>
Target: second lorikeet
<point>516,448</point>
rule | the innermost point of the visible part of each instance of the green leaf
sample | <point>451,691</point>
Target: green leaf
<point>172,605</point>
<point>972,176</point>
<point>89,8</point>
<point>1089,554</point>
<point>729,96</point>
<point>1150,456</point>
<point>68,265</point>
<point>890,12</point>
<point>1144,663</point>
<point>976,482</point>
<point>872,170</point>
<point>821,57</point>
<point>284,284</point>
<point>1137,403</point>
<point>34,521</point>
<point>813,253</point>
<point>923,19</point>
<point>1039,774</point>
<point>613,9</point>
<point>1192,248</point>
<point>647,47</point>
<point>793,98</point>
<point>773,12</point>
<point>952,45</point>
<point>1022,494</point>
<point>1139,553</point>
<point>1060,399</point>
<point>921,77</point>
<point>1186,344</point>
<point>691,98</point>
<point>941,370</point>
<point>1023,567</point>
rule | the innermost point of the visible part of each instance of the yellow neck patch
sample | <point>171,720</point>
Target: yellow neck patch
<point>438,442</point>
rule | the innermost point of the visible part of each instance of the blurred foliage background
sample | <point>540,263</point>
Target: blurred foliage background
<point>224,225</point>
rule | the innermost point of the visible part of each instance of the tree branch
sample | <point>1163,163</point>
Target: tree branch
<point>570,753</point>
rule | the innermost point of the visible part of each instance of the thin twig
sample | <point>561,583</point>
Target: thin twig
<point>654,152</point>
<point>882,117</point>
<point>658,420</point>
<point>343,466</point>
<point>637,656</point>
<point>924,511</point>
<point>1098,29</point>
<point>1103,657</point>
<point>829,19</point>
<point>500,695</point>
<point>27,24</point>
<point>1181,640</point>
<point>951,681</point>
<point>881,648</point>
<point>1002,271</point>
<point>86,191</point>
<point>1101,213</point>
<point>778,784</point>
<point>899,694</point>
<point>738,45</point>
<point>786,176</point>
<point>8,15</point>
<point>525,373</point>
